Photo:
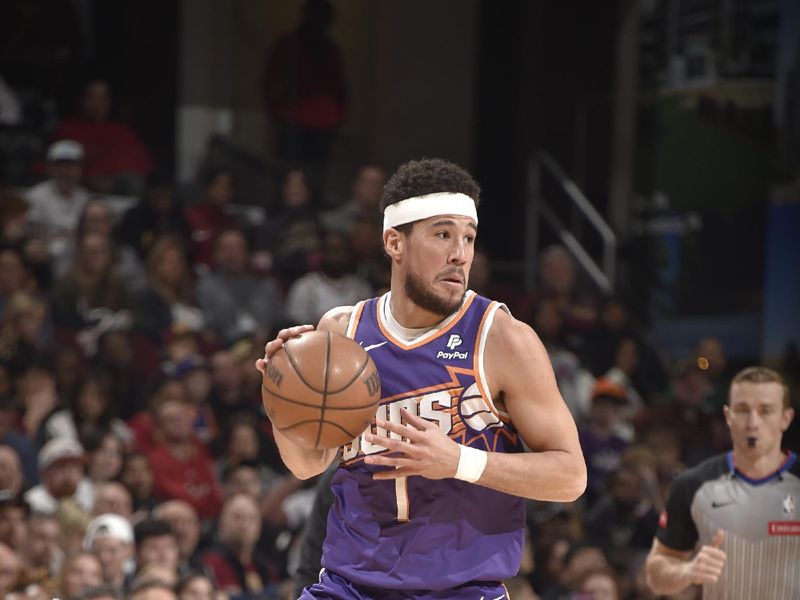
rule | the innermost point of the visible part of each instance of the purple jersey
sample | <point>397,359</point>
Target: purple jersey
<point>416,533</point>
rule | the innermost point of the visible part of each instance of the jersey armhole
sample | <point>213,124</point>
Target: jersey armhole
<point>480,372</point>
<point>355,317</point>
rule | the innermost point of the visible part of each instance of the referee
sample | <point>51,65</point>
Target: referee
<point>740,506</point>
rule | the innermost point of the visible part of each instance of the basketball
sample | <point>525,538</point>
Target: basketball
<point>321,389</point>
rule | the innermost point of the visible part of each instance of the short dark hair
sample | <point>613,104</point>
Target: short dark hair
<point>428,176</point>
<point>760,374</point>
<point>150,528</point>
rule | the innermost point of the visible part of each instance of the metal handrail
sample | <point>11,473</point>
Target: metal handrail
<point>602,276</point>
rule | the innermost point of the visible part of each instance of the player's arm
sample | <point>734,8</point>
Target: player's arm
<point>518,370</point>
<point>671,571</point>
<point>303,462</point>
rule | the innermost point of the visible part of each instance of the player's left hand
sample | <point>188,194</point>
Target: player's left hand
<point>424,450</point>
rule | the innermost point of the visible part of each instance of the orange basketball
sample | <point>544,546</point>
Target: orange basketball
<point>321,389</point>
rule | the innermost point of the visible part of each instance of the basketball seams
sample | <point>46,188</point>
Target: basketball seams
<point>324,387</point>
<point>307,421</point>
<point>349,383</point>
<point>297,368</point>
<point>312,405</point>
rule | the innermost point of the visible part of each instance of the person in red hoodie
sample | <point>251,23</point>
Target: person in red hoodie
<point>116,160</point>
<point>207,218</point>
<point>182,465</point>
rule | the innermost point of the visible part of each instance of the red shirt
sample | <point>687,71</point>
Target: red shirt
<point>191,480</point>
<point>110,148</point>
<point>206,221</point>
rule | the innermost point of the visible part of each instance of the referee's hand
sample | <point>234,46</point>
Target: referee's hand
<point>707,564</point>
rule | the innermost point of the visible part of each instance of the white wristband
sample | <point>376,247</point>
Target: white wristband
<point>471,463</point>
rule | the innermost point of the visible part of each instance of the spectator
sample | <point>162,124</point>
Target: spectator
<point>156,546</point>
<point>57,203</point>
<point>62,474</point>
<point>90,415</point>
<point>157,214</point>
<point>168,301</point>
<point>14,277</point>
<point>13,524</point>
<point>574,382</point>
<point>25,332</point>
<point>82,571</point>
<point>115,356</point>
<point>116,160</point>
<point>228,394</point>
<point>622,522</point>
<point>363,203</point>
<point>185,525</point>
<point>195,586</point>
<point>207,219</point>
<point>193,372</point>
<point>105,452</point>
<point>91,296</point>
<point>114,498</point>
<point>20,444</point>
<point>11,478</point>
<point>152,588</point>
<point>305,87</point>
<point>599,584</point>
<point>235,565</point>
<point>602,447</point>
<point>110,539</point>
<point>41,555</point>
<point>236,303</point>
<point>615,324</point>
<point>10,566</point>
<point>137,477</point>
<point>143,424</point>
<point>333,285</point>
<point>558,282</point>
<point>293,233</point>
<point>242,478</point>
<point>92,293</point>
<point>182,465</point>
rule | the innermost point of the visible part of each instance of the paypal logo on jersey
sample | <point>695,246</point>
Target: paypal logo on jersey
<point>453,342</point>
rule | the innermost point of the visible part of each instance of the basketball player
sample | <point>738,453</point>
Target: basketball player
<point>429,502</point>
<point>740,506</point>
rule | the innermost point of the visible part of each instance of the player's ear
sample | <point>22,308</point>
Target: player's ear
<point>788,417</point>
<point>394,243</point>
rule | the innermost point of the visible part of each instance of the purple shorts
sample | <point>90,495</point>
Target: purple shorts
<point>333,587</point>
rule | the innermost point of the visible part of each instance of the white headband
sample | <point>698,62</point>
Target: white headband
<point>429,205</point>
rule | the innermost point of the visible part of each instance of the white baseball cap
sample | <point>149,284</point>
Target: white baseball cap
<point>57,449</point>
<point>65,150</point>
<point>108,524</point>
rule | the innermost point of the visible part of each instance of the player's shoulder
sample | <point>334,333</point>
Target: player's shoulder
<point>511,335</point>
<point>336,319</point>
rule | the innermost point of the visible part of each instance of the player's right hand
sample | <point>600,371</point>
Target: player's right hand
<point>273,346</point>
<point>706,566</point>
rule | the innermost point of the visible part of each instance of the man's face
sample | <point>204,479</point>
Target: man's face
<point>81,573</point>
<point>244,480</point>
<point>368,187</point>
<point>96,102</point>
<point>175,420</point>
<point>158,551</point>
<point>183,521</point>
<point>756,417</point>
<point>61,478</point>
<point>42,541</point>
<point>12,525</point>
<point>67,173</point>
<point>10,468</point>
<point>112,498</point>
<point>112,554</point>
<point>436,259</point>
<point>231,252</point>
<point>240,523</point>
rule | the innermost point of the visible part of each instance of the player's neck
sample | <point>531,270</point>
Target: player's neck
<point>758,467</point>
<point>410,315</point>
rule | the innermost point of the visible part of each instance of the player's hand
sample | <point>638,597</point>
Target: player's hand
<point>707,564</point>
<point>273,346</point>
<point>424,450</point>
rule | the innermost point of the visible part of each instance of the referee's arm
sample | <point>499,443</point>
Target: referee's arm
<point>671,571</point>
<point>670,567</point>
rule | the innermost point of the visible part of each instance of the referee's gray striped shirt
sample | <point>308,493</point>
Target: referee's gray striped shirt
<point>761,521</point>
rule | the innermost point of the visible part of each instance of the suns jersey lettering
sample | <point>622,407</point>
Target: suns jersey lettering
<point>454,532</point>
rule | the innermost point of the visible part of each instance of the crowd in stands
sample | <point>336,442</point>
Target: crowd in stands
<point>135,459</point>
